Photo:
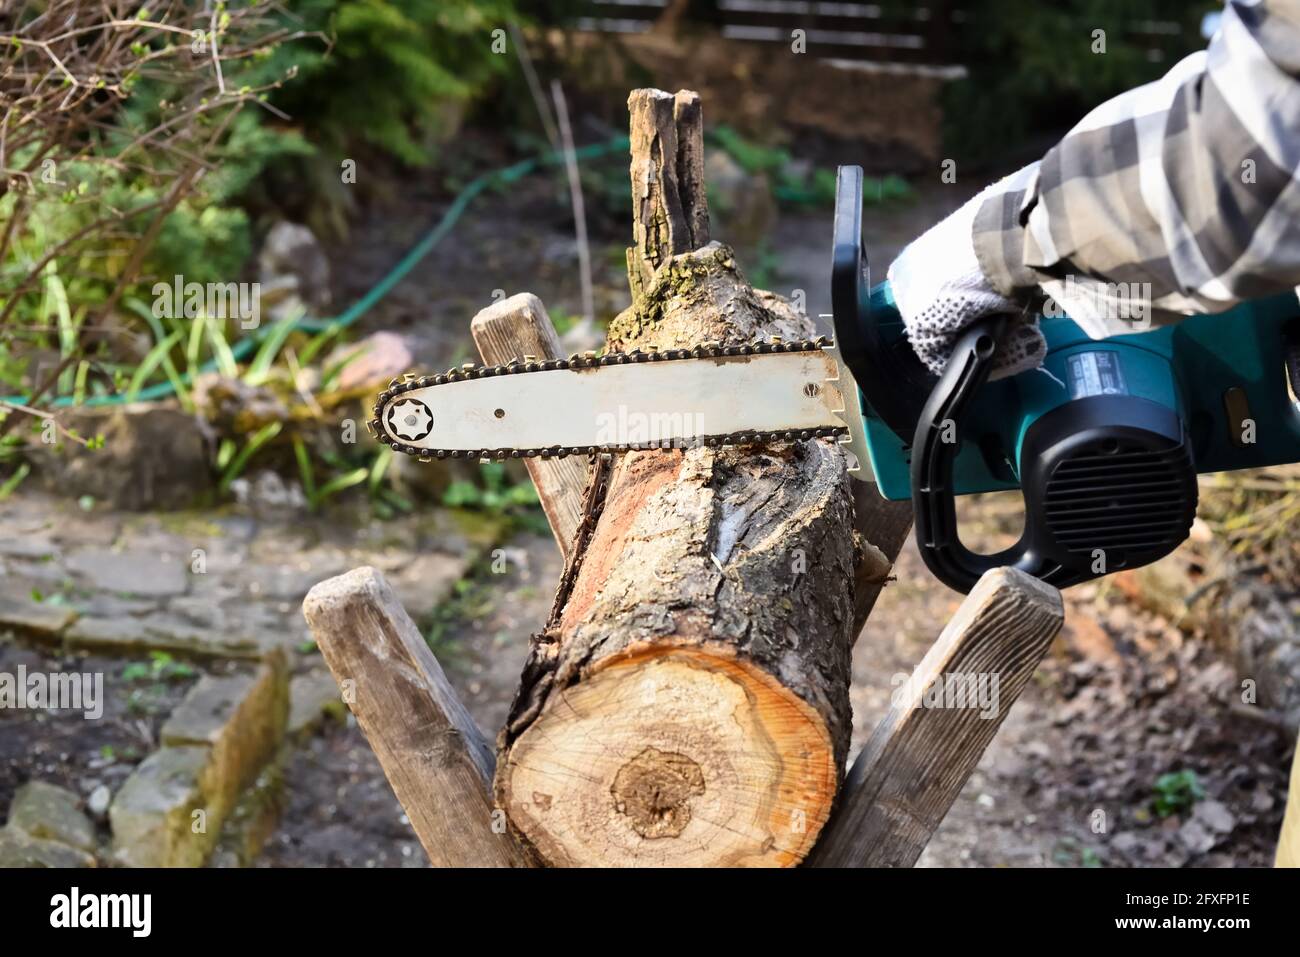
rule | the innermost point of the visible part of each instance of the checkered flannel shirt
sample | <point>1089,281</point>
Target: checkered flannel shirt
<point>1178,197</point>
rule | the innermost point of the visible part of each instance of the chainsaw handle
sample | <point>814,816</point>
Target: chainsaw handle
<point>933,490</point>
<point>890,376</point>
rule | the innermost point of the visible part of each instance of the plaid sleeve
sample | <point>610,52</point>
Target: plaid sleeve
<point>1178,197</point>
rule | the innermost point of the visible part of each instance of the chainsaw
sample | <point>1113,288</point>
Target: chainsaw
<point>1105,447</point>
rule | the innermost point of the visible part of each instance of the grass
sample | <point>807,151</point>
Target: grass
<point>317,495</point>
<point>233,460</point>
<point>160,667</point>
<point>12,481</point>
<point>470,599</point>
<point>1255,513</point>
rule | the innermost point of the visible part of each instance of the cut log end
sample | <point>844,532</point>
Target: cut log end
<point>672,756</point>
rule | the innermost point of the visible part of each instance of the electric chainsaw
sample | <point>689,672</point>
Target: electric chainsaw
<point>1105,447</point>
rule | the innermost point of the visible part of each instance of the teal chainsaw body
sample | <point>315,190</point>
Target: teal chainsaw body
<point>1104,441</point>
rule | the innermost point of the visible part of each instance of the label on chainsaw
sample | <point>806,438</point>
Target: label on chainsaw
<point>1096,373</point>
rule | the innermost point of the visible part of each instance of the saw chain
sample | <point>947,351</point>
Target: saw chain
<point>590,360</point>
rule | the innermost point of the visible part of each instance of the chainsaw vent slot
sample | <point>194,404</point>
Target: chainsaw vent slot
<point>1125,498</point>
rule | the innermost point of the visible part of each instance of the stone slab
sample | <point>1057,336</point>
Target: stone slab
<point>138,572</point>
<point>154,817</point>
<point>48,812</point>
<point>241,718</point>
<point>313,697</point>
<point>17,849</point>
<point>33,618</point>
<point>163,632</point>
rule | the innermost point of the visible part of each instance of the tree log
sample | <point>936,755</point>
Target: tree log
<point>687,703</point>
<point>432,753</point>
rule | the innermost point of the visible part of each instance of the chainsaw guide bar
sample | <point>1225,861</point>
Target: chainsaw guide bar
<point>745,387</point>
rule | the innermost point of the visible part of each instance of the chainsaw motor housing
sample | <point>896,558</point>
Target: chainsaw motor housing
<point>1104,441</point>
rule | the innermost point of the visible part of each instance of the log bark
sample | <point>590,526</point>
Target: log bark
<point>687,703</point>
<point>432,753</point>
<point>518,328</point>
<point>942,719</point>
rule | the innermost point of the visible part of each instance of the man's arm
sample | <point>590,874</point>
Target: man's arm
<point>1178,197</point>
<point>1184,189</point>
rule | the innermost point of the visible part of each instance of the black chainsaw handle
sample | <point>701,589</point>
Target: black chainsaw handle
<point>870,337</point>
<point>933,490</point>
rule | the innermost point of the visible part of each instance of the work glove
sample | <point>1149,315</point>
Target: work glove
<point>940,290</point>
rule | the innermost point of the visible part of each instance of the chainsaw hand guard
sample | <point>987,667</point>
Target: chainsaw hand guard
<point>1108,481</point>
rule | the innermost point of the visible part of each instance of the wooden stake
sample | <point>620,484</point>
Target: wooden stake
<point>431,751</point>
<point>921,754</point>
<point>511,329</point>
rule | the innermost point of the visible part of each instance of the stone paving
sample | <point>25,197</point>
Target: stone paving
<point>193,623</point>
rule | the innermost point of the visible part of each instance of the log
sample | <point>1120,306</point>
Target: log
<point>516,328</point>
<point>927,745</point>
<point>670,214</point>
<point>432,753</point>
<point>687,703</point>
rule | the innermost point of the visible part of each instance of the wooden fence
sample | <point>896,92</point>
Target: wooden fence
<point>921,34</point>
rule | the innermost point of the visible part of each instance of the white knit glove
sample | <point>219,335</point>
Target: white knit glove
<point>940,290</point>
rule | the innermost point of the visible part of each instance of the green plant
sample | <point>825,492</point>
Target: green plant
<point>317,495</point>
<point>470,600</point>
<point>796,184</point>
<point>766,261</point>
<point>54,599</point>
<point>1176,791</point>
<point>750,156</point>
<point>121,165</point>
<point>14,480</point>
<point>232,461</point>
<point>160,667</point>
<point>495,494</point>
<point>393,69</point>
<point>1070,852</point>
<point>1036,66</point>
